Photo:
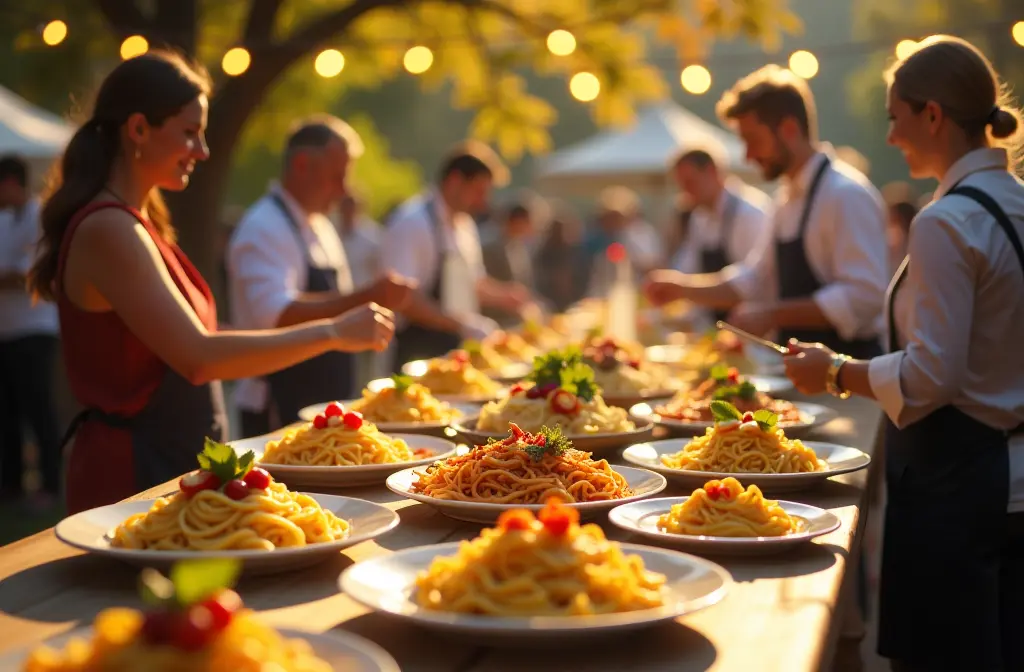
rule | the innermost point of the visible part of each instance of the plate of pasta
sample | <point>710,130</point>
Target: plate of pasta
<point>482,356</point>
<point>560,392</point>
<point>405,406</point>
<point>542,575</point>
<point>523,469</point>
<point>228,508</point>
<point>340,450</point>
<point>724,517</point>
<point>625,376</point>
<point>196,622</point>
<point>690,411</point>
<point>749,445</point>
<point>452,378</point>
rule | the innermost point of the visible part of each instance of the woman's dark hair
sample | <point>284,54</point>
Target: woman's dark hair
<point>158,85</point>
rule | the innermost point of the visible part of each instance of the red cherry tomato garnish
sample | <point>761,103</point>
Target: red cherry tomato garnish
<point>516,389</point>
<point>197,481</point>
<point>158,627</point>
<point>712,490</point>
<point>515,519</point>
<point>733,375</point>
<point>320,422</point>
<point>222,608</point>
<point>460,356</point>
<point>748,417</point>
<point>422,452</point>
<point>635,364</point>
<point>334,409</point>
<point>565,402</point>
<point>258,479</point>
<point>558,518</point>
<point>194,628</point>
<point>353,420</point>
<point>236,489</point>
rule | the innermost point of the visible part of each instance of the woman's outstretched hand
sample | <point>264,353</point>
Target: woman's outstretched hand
<point>807,365</point>
<point>368,327</point>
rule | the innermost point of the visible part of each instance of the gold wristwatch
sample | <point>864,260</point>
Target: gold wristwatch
<point>832,376</point>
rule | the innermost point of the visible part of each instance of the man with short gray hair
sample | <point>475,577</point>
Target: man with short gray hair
<point>287,265</point>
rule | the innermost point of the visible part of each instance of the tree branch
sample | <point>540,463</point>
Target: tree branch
<point>318,30</point>
<point>259,26</point>
<point>177,24</point>
<point>123,16</point>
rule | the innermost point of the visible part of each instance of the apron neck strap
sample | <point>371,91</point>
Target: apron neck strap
<point>812,193</point>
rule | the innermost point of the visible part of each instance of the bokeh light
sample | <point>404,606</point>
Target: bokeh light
<point>561,42</point>
<point>584,86</point>
<point>236,61</point>
<point>418,60</point>
<point>329,63</point>
<point>54,32</point>
<point>134,45</point>
<point>696,79</point>
<point>905,48</point>
<point>803,64</point>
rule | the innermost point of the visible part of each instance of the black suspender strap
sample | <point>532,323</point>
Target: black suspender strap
<point>994,209</point>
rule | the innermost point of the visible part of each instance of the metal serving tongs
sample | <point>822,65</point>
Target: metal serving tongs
<point>757,340</point>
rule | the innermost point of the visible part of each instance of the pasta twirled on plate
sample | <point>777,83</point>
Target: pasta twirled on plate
<point>561,393</point>
<point>228,505</point>
<point>483,356</point>
<point>724,509</point>
<point>406,402</point>
<point>209,631</point>
<point>620,370</point>
<point>337,438</point>
<point>548,565</point>
<point>726,384</point>
<point>744,443</point>
<point>523,468</point>
<point>456,375</point>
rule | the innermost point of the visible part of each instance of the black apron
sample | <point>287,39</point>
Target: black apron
<point>798,281</point>
<point>331,376</point>
<point>714,259</point>
<point>414,342</point>
<point>946,556</point>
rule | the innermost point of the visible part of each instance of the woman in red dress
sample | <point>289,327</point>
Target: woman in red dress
<point>138,322</point>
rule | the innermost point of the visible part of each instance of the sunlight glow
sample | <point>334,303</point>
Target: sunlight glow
<point>584,86</point>
<point>134,45</point>
<point>561,42</point>
<point>803,64</point>
<point>329,63</point>
<point>236,61</point>
<point>696,79</point>
<point>54,32</point>
<point>418,60</point>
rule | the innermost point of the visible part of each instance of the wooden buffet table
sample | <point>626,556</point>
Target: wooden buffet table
<point>781,613</point>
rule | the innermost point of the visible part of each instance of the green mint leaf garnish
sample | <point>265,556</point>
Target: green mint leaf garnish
<point>765,419</point>
<point>567,370</point>
<point>245,463</point>
<point>195,580</point>
<point>724,393</point>
<point>555,443</point>
<point>155,589</point>
<point>746,390</point>
<point>472,347</point>
<point>723,411</point>
<point>220,458</point>
<point>402,382</point>
<point>719,373</point>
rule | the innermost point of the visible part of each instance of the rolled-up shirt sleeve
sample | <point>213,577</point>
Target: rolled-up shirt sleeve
<point>853,300</point>
<point>268,271</point>
<point>932,367</point>
<point>750,276</point>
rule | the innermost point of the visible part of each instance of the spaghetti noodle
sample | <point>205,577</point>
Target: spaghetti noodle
<point>336,445</point>
<point>405,402</point>
<point>523,468</point>
<point>548,565</point>
<point>726,384</point>
<point>745,445</point>
<point>455,374</point>
<point>724,509</point>
<point>210,520</point>
<point>484,357</point>
<point>512,346</point>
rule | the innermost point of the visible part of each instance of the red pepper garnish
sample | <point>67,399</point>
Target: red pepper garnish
<point>565,402</point>
<point>734,375</point>
<point>518,388</point>
<point>748,417</point>
<point>558,518</point>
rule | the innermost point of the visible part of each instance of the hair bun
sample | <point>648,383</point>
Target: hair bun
<point>1004,122</point>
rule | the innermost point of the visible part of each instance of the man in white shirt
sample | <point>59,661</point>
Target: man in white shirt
<point>828,264</point>
<point>286,265</point>
<point>433,239</point>
<point>28,343</point>
<point>729,221</point>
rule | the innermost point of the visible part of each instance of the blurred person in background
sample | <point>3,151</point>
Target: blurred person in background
<point>619,220</point>
<point>854,159</point>
<point>560,264</point>
<point>902,205</point>
<point>508,257</point>
<point>361,237</point>
<point>433,239</point>
<point>28,345</point>
<point>729,220</point>
<point>828,264</point>
<point>287,265</point>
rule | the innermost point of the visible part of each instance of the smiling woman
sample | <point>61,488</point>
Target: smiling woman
<point>138,322</point>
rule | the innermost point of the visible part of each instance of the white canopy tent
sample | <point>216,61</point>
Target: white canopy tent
<point>637,157</point>
<point>30,132</point>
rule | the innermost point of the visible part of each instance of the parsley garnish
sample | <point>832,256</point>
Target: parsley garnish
<point>555,444</point>
<point>565,369</point>
<point>222,460</point>
<point>402,382</point>
<point>745,390</point>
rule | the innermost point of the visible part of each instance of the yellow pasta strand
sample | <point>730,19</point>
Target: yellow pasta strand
<point>450,376</point>
<point>336,446</point>
<point>594,416</point>
<point>212,521</point>
<point>733,450</point>
<point>413,404</point>
<point>724,509</point>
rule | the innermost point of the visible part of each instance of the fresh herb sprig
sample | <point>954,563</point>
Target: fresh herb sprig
<point>190,581</point>
<point>566,369</point>
<point>402,382</point>
<point>745,390</point>
<point>222,461</point>
<point>723,411</point>
<point>555,443</point>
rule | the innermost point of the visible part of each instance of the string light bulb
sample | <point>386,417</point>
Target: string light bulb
<point>329,63</point>
<point>696,79</point>
<point>1018,33</point>
<point>584,86</point>
<point>561,42</point>
<point>803,63</point>
<point>54,32</point>
<point>905,48</point>
<point>418,59</point>
<point>134,45</point>
<point>236,61</point>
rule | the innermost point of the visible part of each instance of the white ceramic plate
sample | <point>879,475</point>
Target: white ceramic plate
<point>382,383</point>
<point>509,374</point>
<point>642,482</point>
<point>813,416</point>
<point>840,459</point>
<point>387,583</point>
<point>92,530</point>
<point>344,651</point>
<point>343,477</point>
<point>641,518</point>
<point>631,400</point>
<point>309,412</point>
<point>591,443</point>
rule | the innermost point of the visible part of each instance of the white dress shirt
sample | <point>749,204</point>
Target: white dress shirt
<point>267,270</point>
<point>19,236</point>
<point>410,248</point>
<point>362,249</point>
<point>844,241</point>
<point>749,231</point>
<point>959,315</point>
